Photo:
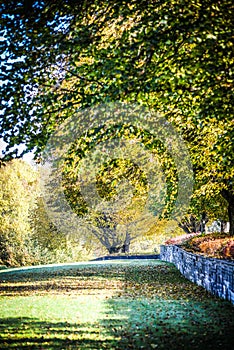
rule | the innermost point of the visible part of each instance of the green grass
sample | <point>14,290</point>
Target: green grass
<point>110,305</point>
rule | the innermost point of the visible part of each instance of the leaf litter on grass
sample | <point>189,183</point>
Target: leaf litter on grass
<point>130,305</point>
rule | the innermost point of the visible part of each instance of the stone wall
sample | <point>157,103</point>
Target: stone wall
<point>217,276</point>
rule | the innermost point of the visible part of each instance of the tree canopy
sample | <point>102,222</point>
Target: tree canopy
<point>176,57</point>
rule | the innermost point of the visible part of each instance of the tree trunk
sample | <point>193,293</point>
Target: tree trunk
<point>231,217</point>
<point>222,226</point>
<point>125,248</point>
<point>114,250</point>
<point>126,245</point>
<point>190,225</point>
<point>229,196</point>
<point>204,220</point>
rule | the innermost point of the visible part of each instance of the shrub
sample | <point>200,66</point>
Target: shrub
<point>213,245</point>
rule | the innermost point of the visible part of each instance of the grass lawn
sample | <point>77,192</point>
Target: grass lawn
<point>129,304</point>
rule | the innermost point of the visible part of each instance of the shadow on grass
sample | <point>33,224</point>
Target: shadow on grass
<point>29,333</point>
<point>170,325</point>
<point>77,279</point>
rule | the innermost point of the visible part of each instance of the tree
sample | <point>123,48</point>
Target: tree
<point>27,236</point>
<point>128,165</point>
<point>52,246</point>
<point>173,56</point>
<point>18,190</point>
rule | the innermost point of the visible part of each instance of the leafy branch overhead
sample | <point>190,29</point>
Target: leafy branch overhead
<point>176,57</point>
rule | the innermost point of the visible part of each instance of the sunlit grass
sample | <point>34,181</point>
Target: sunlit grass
<point>110,305</point>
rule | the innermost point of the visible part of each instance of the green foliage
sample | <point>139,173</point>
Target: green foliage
<point>27,236</point>
<point>173,56</point>
<point>53,246</point>
<point>18,191</point>
<point>111,176</point>
<point>118,169</point>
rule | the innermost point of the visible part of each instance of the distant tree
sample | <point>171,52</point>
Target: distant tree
<point>116,229</point>
<point>27,235</point>
<point>51,245</point>
<point>18,190</point>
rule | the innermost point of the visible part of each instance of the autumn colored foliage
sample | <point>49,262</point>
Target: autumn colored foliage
<point>212,245</point>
